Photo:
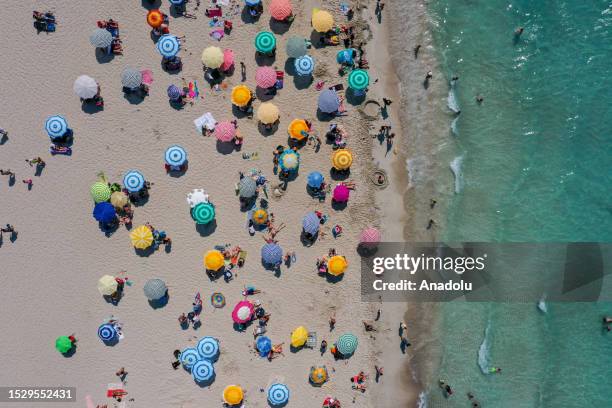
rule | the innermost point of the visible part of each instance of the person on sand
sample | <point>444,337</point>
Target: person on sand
<point>29,182</point>
<point>379,372</point>
<point>323,347</point>
<point>368,326</point>
<point>416,51</point>
<point>431,224</point>
<point>121,373</point>
<point>182,319</point>
<point>250,290</point>
<point>332,322</point>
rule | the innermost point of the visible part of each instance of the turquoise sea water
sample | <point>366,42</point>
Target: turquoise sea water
<point>534,163</point>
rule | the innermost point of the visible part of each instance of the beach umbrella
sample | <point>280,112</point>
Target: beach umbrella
<point>155,289</point>
<point>296,47</point>
<point>342,159</point>
<point>233,395</point>
<point>119,199</point>
<point>228,59</point>
<point>289,160</point>
<point>264,345</point>
<point>104,212</point>
<point>260,216</point>
<point>241,96</point>
<point>252,2</point>
<point>247,187</point>
<point>133,181</point>
<point>304,65</point>
<point>298,129</point>
<point>155,18</point>
<point>214,260</point>
<point>265,42</point>
<point>85,87</point>
<point>311,223</point>
<point>299,337</point>
<point>336,265</point>
<point>265,77</point>
<point>329,102</point>
<point>345,56</point>
<point>168,45</point>
<point>101,38</point>
<point>175,156</point>
<point>189,357</point>
<point>217,300</point>
<point>196,197</point>
<point>100,192</point>
<point>56,126</point>
<point>141,237</point>
<point>358,79</point>
<point>318,375</point>
<point>315,179</point>
<point>177,2</point>
<point>107,332</point>
<point>347,344</point>
<point>202,371</point>
<point>322,21</point>
<point>63,344</point>
<point>225,131</point>
<point>174,93</point>
<point>203,213</point>
<point>272,254</point>
<point>278,394</point>
<point>107,285</point>
<point>341,193</point>
<point>243,312</point>
<point>370,236</point>
<point>131,78</point>
<point>268,113</point>
<point>212,57</point>
<point>280,9</point>
<point>208,347</point>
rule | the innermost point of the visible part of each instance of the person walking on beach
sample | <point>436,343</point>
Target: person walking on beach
<point>379,372</point>
<point>243,71</point>
<point>332,322</point>
<point>416,51</point>
<point>29,182</point>
<point>323,347</point>
<point>121,373</point>
<point>38,161</point>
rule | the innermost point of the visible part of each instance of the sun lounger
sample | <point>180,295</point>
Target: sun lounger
<point>312,342</point>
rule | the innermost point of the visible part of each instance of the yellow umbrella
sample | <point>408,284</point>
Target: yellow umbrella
<point>299,337</point>
<point>119,199</point>
<point>214,260</point>
<point>318,375</point>
<point>268,113</point>
<point>107,285</point>
<point>241,95</point>
<point>212,57</point>
<point>296,127</point>
<point>233,395</point>
<point>141,237</point>
<point>322,21</point>
<point>260,216</point>
<point>342,159</point>
<point>337,265</point>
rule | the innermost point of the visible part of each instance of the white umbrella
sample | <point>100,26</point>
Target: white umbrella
<point>85,87</point>
<point>196,197</point>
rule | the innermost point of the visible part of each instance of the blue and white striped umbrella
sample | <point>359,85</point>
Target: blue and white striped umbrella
<point>208,347</point>
<point>278,394</point>
<point>133,181</point>
<point>202,371</point>
<point>168,45</point>
<point>304,65</point>
<point>315,179</point>
<point>177,2</point>
<point>189,357</point>
<point>56,126</point>
<point>311,223</point>
<point>272,254</point>
<point>252,2</point>
<point>174,93</point>
<point>176,156</point>
<point>107,332</point>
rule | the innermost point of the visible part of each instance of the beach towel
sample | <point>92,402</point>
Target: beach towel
<point>207,120</point>
<point>214,12</point>
<point>217,34</point>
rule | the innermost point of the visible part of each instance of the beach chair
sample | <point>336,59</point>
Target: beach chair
<point>312,342</point>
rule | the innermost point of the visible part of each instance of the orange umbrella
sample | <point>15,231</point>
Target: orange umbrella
<point>297,128</point>
<point>155,18</point>
<point>280,9</point>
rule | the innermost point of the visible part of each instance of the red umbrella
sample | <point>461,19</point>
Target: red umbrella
<point>243,312</point>
<point>280,9</point>
<point>228,59</point>
<point>370,235</point>
<point>341,193</point>
<point>265,77</point>
<point>225,131</point>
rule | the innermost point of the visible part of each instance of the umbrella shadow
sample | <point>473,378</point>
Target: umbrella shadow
<point>151,4</point>
<point>339,175</point>
<point>290,66</point>
<point>366,251</point>
<point>134,98</point>
<point>139,199</point>
<point>280,27</point>
<point>177,10</point>
<point>103,57</point>
<point>315,39</point>
<point>112,342</point>
<point>109,228</point>
<point>241,114</point>
<point>3,139</point>
<point>284,404</point>
<point>355,98</point>
<point>324,117</point>
<point>154,37</point>
<point>308,239</point>
<point>176,105</point>
<point>302,81</point>
<point>226,147</point>
<point>339,206</point>
<point>179,173</point>
<point>267,132</point>
<point>91,108</point>
<point>145,252</point>
<point>333,279</point>
<point>247,18</point>
<point>246,204</point>
<point>206,229</point>
<point>272,267</point>
<point>265,94</point>
<point>159,303</point>
<point>70,352</point>
<point>265,59</point>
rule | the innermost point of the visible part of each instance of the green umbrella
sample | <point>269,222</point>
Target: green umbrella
<point>63,344</point>
<point>265,42</point>
<point>358,79</point>
<point>100,192</point>
<point>203,213</point>
<point>347,344</point>
<point>296,47</point>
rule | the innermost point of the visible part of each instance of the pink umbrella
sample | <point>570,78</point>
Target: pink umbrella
<point>225,131</point>
<point>228,60</point>
<point>265,77</point>
<point>370,235</point>
<point>147,76</point>
<point>280,9</point>
<point>243,312</point>
<point>341,193</point>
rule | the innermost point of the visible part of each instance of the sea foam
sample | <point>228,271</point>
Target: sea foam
<point>455,167</point>
<point>484,350</point>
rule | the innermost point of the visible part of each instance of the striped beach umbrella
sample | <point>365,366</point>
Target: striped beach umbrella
<point>107,285</point>
<point>260,216</point>
<point>322,21</point>
<point>217,300</point>
<point>318,375</point>
<point>155,289</point>
<point>342,159</point>
<point>107,332</point>
<point>336,265</point>
<point>271,254</point>
<point>131,78</point>
<point>241,96</point>
<point>315,179</point>
<point>311,223</point>
<point>329,102</point>
<point>175,155</point>
<point>101,38</point>
<point>85,87</point>
<point>264,345</point>
<point>189,357</point>
<point>304,65</point>
<point>100,192</point>
<point>133,181</point>
<point>358,79</point>
<point>56,126</point>
<point>247,187</point>
<point>296,47</point>
<point>63,344</point>
<point>347,344</point>
<point>225,131</point>
<point>212,57</point>
<point>289,160</point>
<point>141,237</point>
<point>265,77</point>
<point>278,394</point>
<point>214,260</point>
<point>280,9</point>
<point>345,56</point>
<point>370,235</point>
<point>203,213</point>
<point>243,312</point>
<point>168,45</point>
<point>208,347</point>
<point>155,18</point>
<point>268,113</point>
<point>233,395</point>
<point>104,212</point>
<point>252,2</point>
<point>341,193</point>
<point>202,371</point>
<point>265,42</point>
<point>298,129</point>
<point>177,2</point>
<point>174,93</point>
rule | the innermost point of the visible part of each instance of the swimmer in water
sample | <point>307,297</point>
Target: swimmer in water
<point>519,31</point>
<point>475,403</point>
<point>479,98</point>
<point>495,370</point>
<point>448,391</point>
